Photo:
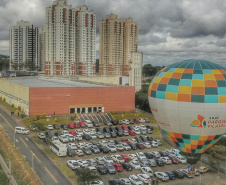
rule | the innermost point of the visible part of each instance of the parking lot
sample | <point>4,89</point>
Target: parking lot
<point>206,178</point>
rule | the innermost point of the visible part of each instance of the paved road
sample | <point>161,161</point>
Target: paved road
<point>43,166</point>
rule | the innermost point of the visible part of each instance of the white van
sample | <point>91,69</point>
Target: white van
<point>21,130</point>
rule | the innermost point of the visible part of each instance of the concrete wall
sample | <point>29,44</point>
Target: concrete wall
<point>115,80</point>
<point>15,94</point>
<point>59,100</point>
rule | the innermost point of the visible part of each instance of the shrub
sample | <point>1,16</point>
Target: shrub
<point>43,116</point>
<point>37,117</point>
<point>22,115</point>
<point>4,99</point>
<point>56,120</point>
<point>72,118</point>
<point>19,108</point>
<point>12,105</point>
<point>40,126</point>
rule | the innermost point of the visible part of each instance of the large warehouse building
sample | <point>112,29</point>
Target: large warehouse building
<point>39,95</point>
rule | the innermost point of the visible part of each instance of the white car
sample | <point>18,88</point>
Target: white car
<point>135,164</point>
<point>79,152</point>
<point>135,180</point>
<point>154,144</point>
<point>141,120</point>
<point>92,135</point>
<point>93,130</point>
<point>147,145</point>
<point>73,164</point>
<point>63,138</point>
<point>156,154</point>
<point>83,163</point>
<point>41,135</point>
<point>143,127</point>
<point>87,131</point>
<point>137,130</point>
<point>126,146</point>
<point>125,121</point>
<point>140,155</point>
<point>181,159</point>
<point>93,168</point>
<point>50,127</point>
<point>132,140</point>
<point>144,178</point>
<point>88,144</point>
<point>166,160</point>
<point>125,181</point>
<point>72,146</point>
<point>103,143</point>
<point>97,183</point>
<point>55,138</point>
<point>108,159</point>
<point>159,142</point>
<point>132,157</point>
<point>162,176</point>
<point>80,145</point>
<point>99,160</point>
<point>117,159</point>
<point>88,123</point>
<point>78,137</point>
<point>91,162</point>
<point>71,137</point>
<point>79,132</point>
<point>64,132</point>
<point>111,148</point>
<point>119,147</point>
<point>147,170</point>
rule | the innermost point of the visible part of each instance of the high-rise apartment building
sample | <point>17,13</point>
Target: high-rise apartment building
<point>42,48</point>
<point>85,27</point>
<point>70,40</point>
<point>23,46</point>
<point>118,40</point>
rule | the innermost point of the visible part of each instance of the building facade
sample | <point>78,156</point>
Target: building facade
<point>42,48</point>
<point>118,40</point>
<point>85,44</point>
<point>23,46</point>
<point>70,40</point>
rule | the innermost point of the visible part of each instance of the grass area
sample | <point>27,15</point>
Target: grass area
<point>68,172</point>
<point>11,107</point>
<point>132,115</point>
<point>21,170</point>
<point>156,130</point>
<point>3,177</point>
<point>50,154</point>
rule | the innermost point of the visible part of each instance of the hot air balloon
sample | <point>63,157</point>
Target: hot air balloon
<point>188,100</point>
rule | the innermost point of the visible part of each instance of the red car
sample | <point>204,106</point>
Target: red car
<point>71,125</point>
<point>125,128</point>
<point>77,125</point>
<point>132,133</point>
<point>136,120</point>
<point>124,140</point>
<point>82,124</point>
<point>125,157</point>
<point>173,159</point>
<point>72,133</point>
<point>140,146</point>
<point>118,167</point>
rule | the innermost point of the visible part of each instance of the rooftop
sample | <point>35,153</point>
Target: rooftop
<point>49,82</point>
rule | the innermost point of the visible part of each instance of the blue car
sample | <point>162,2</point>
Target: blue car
<point>170,174</point>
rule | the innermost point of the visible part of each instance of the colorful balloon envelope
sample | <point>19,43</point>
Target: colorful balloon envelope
<point>188,100</point>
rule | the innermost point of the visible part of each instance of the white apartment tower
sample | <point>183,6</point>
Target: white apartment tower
<point>85,27</point>
<point>23,46</point>
<point>70,40</point>
<point>42,48</point>
<point>118,40</point>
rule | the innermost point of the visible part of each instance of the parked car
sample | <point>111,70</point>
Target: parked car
<point>181,159</point>
<point>71,125</point>
<point>70,152</point>
<point>118,167</point>
<point>77,125</point>
<point>126,146</point>
<point>166,160</point>
<point>147,120</point>
<point>115,122</point>
<point>73,164</point>
<point>140,145</point>
<point>135,164</point>
<point>64,126</point>
<point>108,159</point>
<point>101,169</point>
<point>159,162</point>
<point>114,182</point>
<point>88,123</point>
<point>97,183</point>
<point>110,168</point>
<point>173,159</point>
<point>79,153</point>
<point>56,126</point>
<point>82,124</point>
<point>95,123</point>
<point>104,149</point>
<point>79,132</point>
<point>49,127</point>
<point>119,147</point>
<point>162,176</point>
<point>125,157</point>
<point>132,146</point>
<point>72,146</point>
<point>186,174</point>
<point>83,163</point>
<point>108,123</point>
<point>132,157</point>
<point>135,180</point>
<point>117,158</point>
<point>41,135</point>
<point>147,170</point>
<point>144,178</point>
<point>178,174</point>
<point>140,155</point>
<point>86,137</point>
<point>125,181</point>
<point>127,166</point>
<point>170,174</point>
<point>95,149</point>
<point>86,150</point>
<point>99,160</point>
<point>203,169</point>
<point>111,148</point>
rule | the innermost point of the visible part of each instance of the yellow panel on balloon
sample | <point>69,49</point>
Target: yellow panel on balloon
<point>222,98</point>
<point>157,80</point>
<point>198,83</point>
<point>203,138</point>
<point>215,71</point>
<point>179,70</point>
<point>168,74</point>
<point>209,77</point>
<point>184,90</point>
<point>171,96</point>
<point>194,142</point>
<point>187,145</point>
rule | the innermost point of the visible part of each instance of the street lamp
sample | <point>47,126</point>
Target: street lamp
<point>32,161</point>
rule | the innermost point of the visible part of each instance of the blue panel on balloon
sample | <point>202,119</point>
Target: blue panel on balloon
<point>161,74</point>
<point>187,141</point>
<point>221,91</point>
<point>160,94</point>
<point>207,71</point>
<point>172,88</point>
<point>153,93</point>
<point>172,70</point>
<point>185,82</point>
<point>197,77</point>
<point>211,98</point>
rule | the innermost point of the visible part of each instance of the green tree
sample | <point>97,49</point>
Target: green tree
<point>4,62</point>
<point>86,176</point>
<point>149,70</point>
<point>29,65</point>
<point>141,98</point>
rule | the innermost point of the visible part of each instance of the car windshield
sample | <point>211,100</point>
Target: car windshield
<point>183,158</point>
<point>120,158</point>
<point>136,163</point>
<point>108,158</point>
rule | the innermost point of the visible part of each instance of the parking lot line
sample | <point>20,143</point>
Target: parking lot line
<point>7,121</point>
<point>36,157</point>
<point>23,142</point>
<point>51,175</point>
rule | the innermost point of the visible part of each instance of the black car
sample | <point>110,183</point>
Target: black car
<point>119,129</point>
<point>159,162</point>
<point>95,123</point>
<point>70,152</point>
<point>110,168</point>
<point>143,138</point>
<point>102,170</point>
<point>178,174</point>
<point>106,130</point>
<point>58,133</point>
<point>129,127</point>
<point>115,122</point>
<point>99,130</point>
<point>131,121</point>
<point>138,139</point>
<point>46,140</point>
<point>149,138</point>
<point>56,126</point>
<point>117,141</point>
<point>120,133</point>
<point>86,137</point>
<point>171,175</point>
<point>64,127</point>
<point>104,149</point>
<point>163,154</point>
<point>115,182</point>
<point>150,127</point>
<point>132,146</point>
<point>112,129</point>
<point>127,166</point>
<point>49,134</point>
<point>149,155</point>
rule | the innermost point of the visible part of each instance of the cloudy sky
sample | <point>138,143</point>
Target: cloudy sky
<point>169,30</point>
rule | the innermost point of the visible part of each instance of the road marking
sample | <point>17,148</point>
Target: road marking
<point>51,175</point>
<point>7,122</point>
<point>36,157</point>
<point>23,142</point>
